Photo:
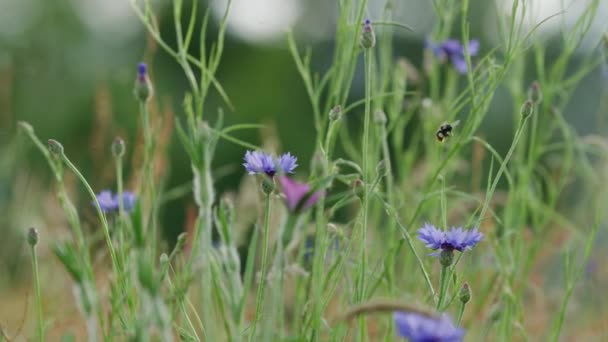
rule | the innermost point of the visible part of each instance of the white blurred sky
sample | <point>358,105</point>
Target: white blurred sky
<point>266,21</point>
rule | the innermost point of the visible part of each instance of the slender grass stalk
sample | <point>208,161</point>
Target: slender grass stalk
<point>33,241</point>
<point>148,173</point>
<point>102,216</point>
<point>259,303</point>
<point>367,178</point>
<point>442,286</point>
<point>460,314</point>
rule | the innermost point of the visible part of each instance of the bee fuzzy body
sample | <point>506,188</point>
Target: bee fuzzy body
<point>444,132</point>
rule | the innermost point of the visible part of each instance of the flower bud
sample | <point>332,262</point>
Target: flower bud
<point>534,93</point>
<point>380,117</point>
<point>368,37</point>
<point>143,86</point>
<point>32,237</point>
<point>335,113</point>
<point>357,186</point>
<point>446,257</point>
<point>118,147</point>
<point>204,131</point>
<point>465,293</point>
<point>25,126</point>
<point>163,260</point>
<point>55,147</point>
<point>268,186</point>
<point>527,109</point>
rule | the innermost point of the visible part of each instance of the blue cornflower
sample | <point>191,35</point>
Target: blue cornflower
<point>453,50</point>
<point>260,162</point>
<point>454,239</point>
<point>420,328</point>
<point>143,87</point>
<point>142,70</point>
<point>111,203</point>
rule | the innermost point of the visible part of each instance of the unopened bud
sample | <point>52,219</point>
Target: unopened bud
<point>25,126</point>
<point>534,93</point>
<point>380,117</point>
<point>465,293</point>
<point>527,109</point>
<point>335,113</point>
<point>118,147</point>
<point>143,86</point>
<point>204,130</point>
<point>446,258</point>
<point>268,186</point>
<point>32,237</point>
<point>163,260</point>
<point>55,147</point>
<point>357,186</point>
<point>368,37</point>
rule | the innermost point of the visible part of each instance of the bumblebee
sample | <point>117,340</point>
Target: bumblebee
<point>445,130</point>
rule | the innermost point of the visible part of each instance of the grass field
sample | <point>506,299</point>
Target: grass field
<point>409,220</point>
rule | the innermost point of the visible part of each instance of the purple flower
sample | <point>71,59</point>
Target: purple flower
<point>298,195</point>
<point>106,201</point>
<point>260,162</point>
<point>142,70</point>
<point>287,162</point>
<point>454,239</point>
<point>453,50</point>
<point>419,328</point>
<point>111,203</point>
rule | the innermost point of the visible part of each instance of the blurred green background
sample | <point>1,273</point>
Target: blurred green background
<point>68,67</point>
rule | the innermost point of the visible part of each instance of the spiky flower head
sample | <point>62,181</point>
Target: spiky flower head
<point>420,328</point>
<point>258,162</point>
<point>453,239</point>
<point>453,50</point>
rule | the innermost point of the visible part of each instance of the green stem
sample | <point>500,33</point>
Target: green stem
<point>37,293</point>
<point>102,216</point>
<point>148,173</point>
<point>460,314</point>
<point>367,182</point>
<point>260,292</point>
<point>119,190</point>
<point>442,286</point>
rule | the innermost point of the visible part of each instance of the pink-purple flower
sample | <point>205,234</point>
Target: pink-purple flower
<point>298,196</point>
<point>453,50</point>
<point>258,162</point>
<point>420,328</point>
<point>453,239</point>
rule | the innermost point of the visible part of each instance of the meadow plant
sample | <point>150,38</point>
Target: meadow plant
<point>331,257</point>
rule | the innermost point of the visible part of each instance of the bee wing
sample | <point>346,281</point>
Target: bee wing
<point>455,123</point>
